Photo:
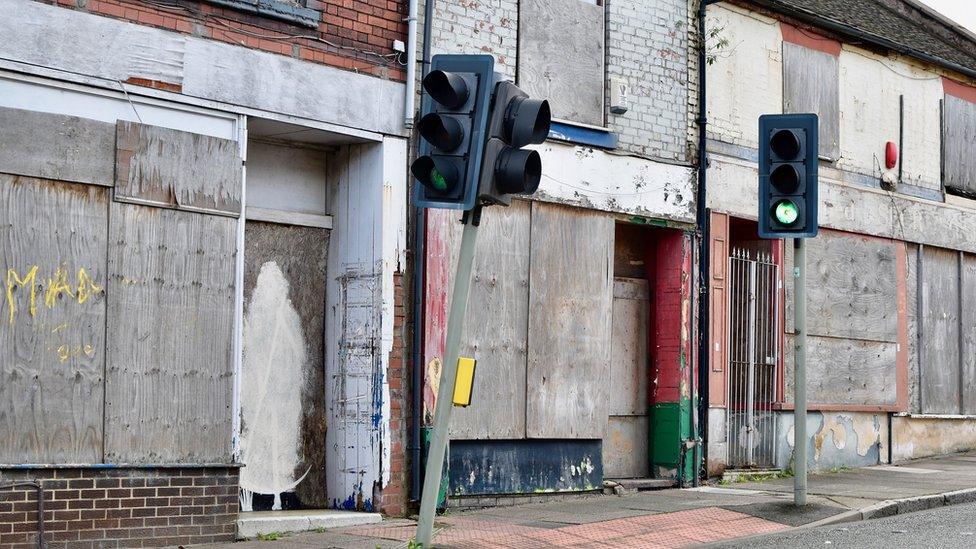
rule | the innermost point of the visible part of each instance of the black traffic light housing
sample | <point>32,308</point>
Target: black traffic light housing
<point>515,121</point>
<point>788,165</point>
<point>453,124</point>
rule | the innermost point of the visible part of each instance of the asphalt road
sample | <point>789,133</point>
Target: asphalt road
<point>944,527</point>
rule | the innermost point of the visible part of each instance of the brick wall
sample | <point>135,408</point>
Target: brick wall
<point>395,496</point>
<point>647,46</point>
<point>352,34</point>
<point>89,508</point>
<point>486,26</point>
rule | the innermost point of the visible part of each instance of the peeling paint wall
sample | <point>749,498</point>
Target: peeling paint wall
<point>837,439</point>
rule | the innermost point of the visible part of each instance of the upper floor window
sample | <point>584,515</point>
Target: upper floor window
<point>958,136</point>
<point>561,56</point>
<point>811,76</point>
<point>294,11</point>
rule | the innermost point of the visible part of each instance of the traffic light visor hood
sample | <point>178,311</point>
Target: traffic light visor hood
<point>785,178</point>
<point>446,88</point>
<point>441,131</point>
<point>518,171</point>
<point>527,121</point>
<point>435,173</point>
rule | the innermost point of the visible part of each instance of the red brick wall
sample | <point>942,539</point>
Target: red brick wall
<point>348,29</point>
<point>94,507</point>
<point>395,497</point>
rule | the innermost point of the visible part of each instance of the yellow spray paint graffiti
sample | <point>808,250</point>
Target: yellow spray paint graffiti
<point>80,290</point>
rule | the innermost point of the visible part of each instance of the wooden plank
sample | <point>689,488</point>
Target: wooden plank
<point>289,218</point>
<point>810,84</point>
<point>174,169</point>
<point>496,327</point>
<point>52,320</point>
<point>718,312</point>
<point>169,365</point>
<point>968,333</point>
<point>851,287</point>
<point>570,313</point>
<point>628,347</point>
<point>912,309</point>
<point>847,371</point>
<point>958,136</point>
<point>940,338</point>
<point>54,146</point>
<point>625,450</point>
<point>283,379</point>
<point>561,57</point>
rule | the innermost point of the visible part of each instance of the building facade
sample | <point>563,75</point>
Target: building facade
<point>890,276</point>
<point>203,236</point>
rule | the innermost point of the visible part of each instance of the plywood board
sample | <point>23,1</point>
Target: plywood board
<point>54,146</point>
<point>625,451</point>
<point>52,320</point>
<point>851,287</point>
<point>283,381</point>
<point>629,354</point>
<point>940,332</point>
<point>810,84</point>
<point>968,333</point>
<point>570,312</point>
<point>496,327</point>
<point>169,366</point>
<point>174,169</point>
<point>959,134</point>
<point>561,57</point>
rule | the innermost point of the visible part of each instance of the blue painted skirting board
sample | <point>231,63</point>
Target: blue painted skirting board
<point>482,467</point>
<point>583,136</point>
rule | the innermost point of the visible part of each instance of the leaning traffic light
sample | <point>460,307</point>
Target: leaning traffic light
<point>515,121</point>
<point>454,115</point>
<point>788,159</point>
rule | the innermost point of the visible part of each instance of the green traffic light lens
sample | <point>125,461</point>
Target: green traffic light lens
<point>786,212</point>
<point>437,180</point>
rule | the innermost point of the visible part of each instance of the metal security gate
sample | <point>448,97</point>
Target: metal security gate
<point>753,281</point>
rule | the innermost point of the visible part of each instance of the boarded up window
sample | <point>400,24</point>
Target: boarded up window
<point>561,56</point>
<point>810,84</point>
<point>958,136</point>
<point>947,323</point>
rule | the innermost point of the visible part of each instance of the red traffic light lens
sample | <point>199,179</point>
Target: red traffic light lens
<point>785,143</point>
<point>446,88</point>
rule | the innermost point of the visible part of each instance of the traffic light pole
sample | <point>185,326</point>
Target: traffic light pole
<point>800,373</point>
<point>444,406</point>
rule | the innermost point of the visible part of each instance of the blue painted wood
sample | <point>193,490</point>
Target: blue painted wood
<point>483,467</point>
<point>583,136</point>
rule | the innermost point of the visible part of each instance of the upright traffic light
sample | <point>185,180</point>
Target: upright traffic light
<point>454,117</point>
<point>788,159</point>
<point>515,121</point>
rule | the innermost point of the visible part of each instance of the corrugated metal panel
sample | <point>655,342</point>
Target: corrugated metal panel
<point>810,84</point>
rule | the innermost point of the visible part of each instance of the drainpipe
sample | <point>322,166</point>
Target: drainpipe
<point>408,100</point>
<point>420,237</point>
<point>701,440</point>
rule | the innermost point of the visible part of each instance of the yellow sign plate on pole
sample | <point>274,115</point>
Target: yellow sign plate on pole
<point>464,382</point>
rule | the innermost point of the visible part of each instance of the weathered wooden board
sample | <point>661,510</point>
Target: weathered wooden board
<point>54,146</point>
<point>968,333</point>
<point>911,310</point>
<point>959,134</point>
<point>846,371</point>
<point>169,365</point>
<point>496,327</point>
<point>810,84</point>
<point>570,313</point>
<point>290,263</point>
<point>174,169</point>
<point>561,57</point>
<point>939,310</point>
<point>629,354</point>
<point>52,320</point>
<point>851,287</point>
<point>625,447</point>
<point>718,311</point>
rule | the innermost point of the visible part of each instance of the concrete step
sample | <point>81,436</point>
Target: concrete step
<point>250,525</point>
<point>641,484</point>
<point>747,475</point>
